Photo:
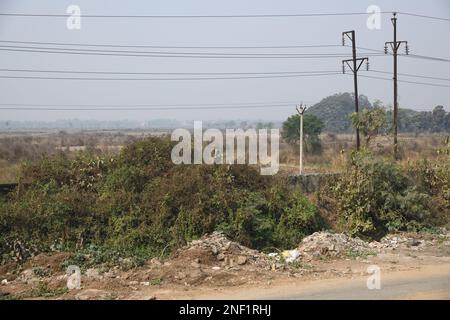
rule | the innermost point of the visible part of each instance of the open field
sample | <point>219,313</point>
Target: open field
<point>22,146</point>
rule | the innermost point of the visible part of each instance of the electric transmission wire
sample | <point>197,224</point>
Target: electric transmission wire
<point>166,73</point>
<point>412,75</point>
<point>416,56</point>
<point>128,108</point>
<point>169,79</point>
<point>407,81</point>
<point>170,54</point>
<point>171,47</point>
<point>286,15</point>
<point>424,16</point>
<point>146,105</point>
<point>98,16</point>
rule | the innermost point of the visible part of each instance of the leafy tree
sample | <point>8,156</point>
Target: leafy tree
<point>369,122</point>
<point>312,127</point>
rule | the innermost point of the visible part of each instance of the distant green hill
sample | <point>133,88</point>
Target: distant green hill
<point>335,110</point>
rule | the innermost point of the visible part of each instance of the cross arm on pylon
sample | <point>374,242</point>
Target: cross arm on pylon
<point>360,60</point>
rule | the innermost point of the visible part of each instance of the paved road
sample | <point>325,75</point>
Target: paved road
<point>428,283</point>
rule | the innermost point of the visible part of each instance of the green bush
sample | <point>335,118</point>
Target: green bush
<point>298,219</point>
<point>376,196</point>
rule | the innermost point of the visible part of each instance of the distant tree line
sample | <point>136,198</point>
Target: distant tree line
<point>335,112</point>
<point>434,121</point>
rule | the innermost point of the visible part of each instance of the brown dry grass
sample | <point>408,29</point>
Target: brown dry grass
<point>336,149</point>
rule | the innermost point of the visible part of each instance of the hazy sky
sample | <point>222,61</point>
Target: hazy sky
<point>425,37</point>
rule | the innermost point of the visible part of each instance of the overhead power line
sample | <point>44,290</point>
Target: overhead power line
<point>98,16</point>
<point>146,105</point>
<point>287,15</point>
<point>169,79</point>
<point>167,54</point>
<point>171,47</point>
<point>87,108</point>
<point>412,75</point>
<point>206,73</point>
<point>223,56</point>
<point>416,56</point>
<point>424,16</point>
<point>170,52</point>
<point>407,81</point>
<point>167,73</point>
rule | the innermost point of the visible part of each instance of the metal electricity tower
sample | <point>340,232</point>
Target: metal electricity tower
<point>301,110</point>
<point>354,67</point>
<point>395,45</point>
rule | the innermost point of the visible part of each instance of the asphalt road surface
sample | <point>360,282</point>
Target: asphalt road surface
<point>426,283</point>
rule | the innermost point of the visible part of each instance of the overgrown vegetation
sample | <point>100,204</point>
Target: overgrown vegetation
<point>376,196</point>
<point>138,204</point>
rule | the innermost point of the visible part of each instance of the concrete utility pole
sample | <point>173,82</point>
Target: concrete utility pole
<point>301,110</point>
<point>395,45</point>
<point>355,68</point>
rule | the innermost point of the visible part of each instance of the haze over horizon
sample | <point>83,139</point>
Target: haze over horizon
<point>426,37</point>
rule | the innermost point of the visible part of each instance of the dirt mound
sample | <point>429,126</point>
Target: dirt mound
<point>329,244</point>
<point>216,250</point>
<point>213,259</point>
<point>51,263</point>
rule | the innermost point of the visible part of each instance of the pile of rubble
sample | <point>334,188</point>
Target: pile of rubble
<point>392,242</point>
<point>324,243</point>
<point>217,251</point>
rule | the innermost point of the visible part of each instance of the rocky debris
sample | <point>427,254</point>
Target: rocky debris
<point>93,273</point>
<point>390,242</point>
<point>4,282</point>
<point>28,276</point>
<point>397,241</point>
<point>328,244</point>
<point>217,251</point>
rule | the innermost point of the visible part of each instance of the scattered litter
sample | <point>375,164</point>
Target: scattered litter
<point>290,255</point>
